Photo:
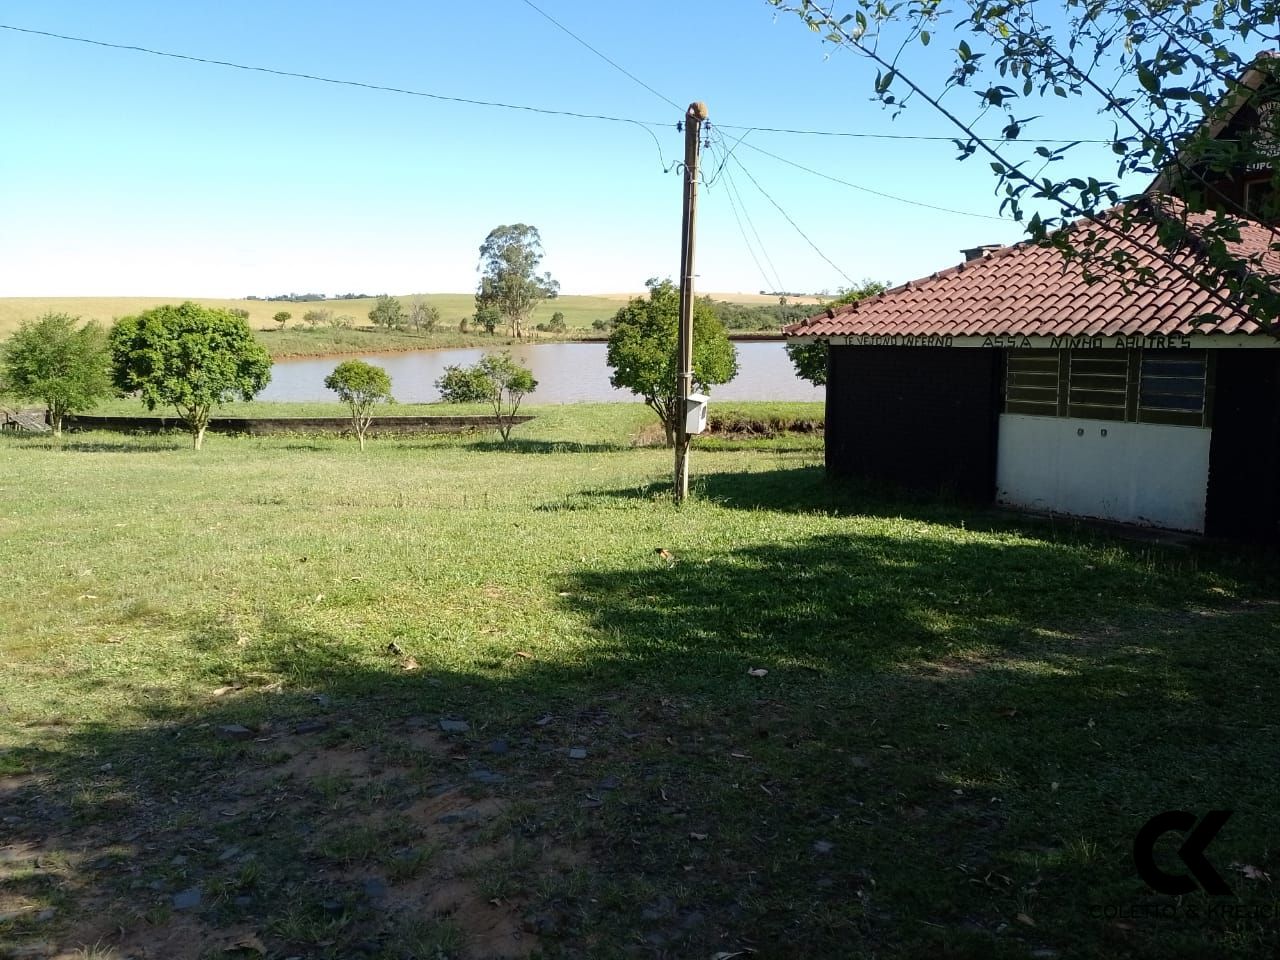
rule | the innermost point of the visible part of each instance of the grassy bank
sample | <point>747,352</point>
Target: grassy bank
<point>822,724</point>
<point>579,312</point>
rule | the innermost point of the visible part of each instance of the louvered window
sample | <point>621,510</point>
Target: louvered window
<point>1031,382</point>
<point>1174,387</point>
<point>1138,386</point>
<point>1098,385</point>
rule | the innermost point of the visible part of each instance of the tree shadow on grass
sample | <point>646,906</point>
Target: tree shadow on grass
<point>949,731</point>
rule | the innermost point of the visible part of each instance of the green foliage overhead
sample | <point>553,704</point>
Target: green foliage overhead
<point>1183,99</point>
<point>387,312</point>
<point>509,278</point>
<point>497,379</point>
<point>361,386</point>
<point>56,362</point>
<point>188,357</point>
<point>642,350</point>
<point>810,359</point>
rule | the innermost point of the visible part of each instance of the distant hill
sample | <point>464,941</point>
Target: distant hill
<point>579,311</point>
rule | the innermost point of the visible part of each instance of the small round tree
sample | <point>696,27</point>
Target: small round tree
<point>57,362</point>
<point>189,357</point>
<point>361,386</point>
<point>642,351</point>
<point>497,379</point>
<point>282,318</point>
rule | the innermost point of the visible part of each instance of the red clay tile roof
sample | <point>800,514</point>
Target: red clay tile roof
<point>1030,290</point>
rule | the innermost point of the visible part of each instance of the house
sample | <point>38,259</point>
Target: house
<point>1011,378</point>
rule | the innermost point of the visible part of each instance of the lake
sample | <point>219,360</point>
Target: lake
<point>566,373</point>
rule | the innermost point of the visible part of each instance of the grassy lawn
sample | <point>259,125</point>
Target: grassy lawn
<point>446,700</point>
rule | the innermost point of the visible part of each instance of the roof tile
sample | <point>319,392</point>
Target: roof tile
<point>1030,290</point>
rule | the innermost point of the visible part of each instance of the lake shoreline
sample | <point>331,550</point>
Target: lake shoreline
<point>482,344</point>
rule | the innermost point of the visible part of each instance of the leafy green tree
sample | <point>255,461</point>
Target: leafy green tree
<point>810,359</point>
<point>57,362</point>
<point>642,351</point>
<point>509,278</point>
<point>497,379</point>
<point>240,312</point>
<point>361,386</point>
<point>1164,80</point>
<point>388,312</point>
<point>557,323</point>
<point>188,357</point>
<point>282,318</point>
<point>424,316</point>
<point>487,317</point>
<point>318,318</point>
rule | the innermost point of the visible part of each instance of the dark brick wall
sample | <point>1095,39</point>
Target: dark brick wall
<point>922,418</point>
<point>1244,456</point>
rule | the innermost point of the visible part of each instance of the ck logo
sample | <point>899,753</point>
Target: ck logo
<point>1198,836</point>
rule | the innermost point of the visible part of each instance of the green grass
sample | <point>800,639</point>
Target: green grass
<point>966,717</point>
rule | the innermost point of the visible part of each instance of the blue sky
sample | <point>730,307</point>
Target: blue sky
<point>124,174</point>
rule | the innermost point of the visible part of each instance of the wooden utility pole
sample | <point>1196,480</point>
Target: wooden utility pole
<point>694,117</point>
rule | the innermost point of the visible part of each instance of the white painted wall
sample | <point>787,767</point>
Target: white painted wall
<point>1136,473</point>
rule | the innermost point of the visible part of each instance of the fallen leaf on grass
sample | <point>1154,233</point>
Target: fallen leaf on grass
<point>697,836</point>
<point>757,672</point>
<point>1007,712</point>
<point>223,691</point>
<point>1023,918</point>
<point>250,943</point>
<point>409,663</point>
<point>524,654</point>
<point>1255,873</point>
<point>393,649</point>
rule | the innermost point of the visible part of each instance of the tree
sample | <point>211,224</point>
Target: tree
<point>361,386</point>
<point>189,357</point>
<point>558,324</point>
<point>388,312</point>
<point>810,359</point>
<point>57,362</point>
<point>642,351</point>
<point>424,316</point>
<point>316,318</point>
<point>487,317</point>
<point>509,281</point>
<point>282,318</point>
<point>497,379</point>
<point>1164,78</point>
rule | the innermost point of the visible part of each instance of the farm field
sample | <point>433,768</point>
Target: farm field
<point>579,311</point>
<point>453,700</point>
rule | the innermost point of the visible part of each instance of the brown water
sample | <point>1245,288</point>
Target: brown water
<point>566,373</point>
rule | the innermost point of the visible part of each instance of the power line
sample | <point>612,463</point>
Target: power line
<point>877,193</point>
<point>613,63</point>
<point>776,282</point>
<point>794,225</point>
<point>468,101</point>
<point>733,191</point>
<point>862,135</point>
<point>471,101</point>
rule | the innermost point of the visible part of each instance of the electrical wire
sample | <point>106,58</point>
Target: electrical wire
<point>613,63</point>
<point>776,282</point>
<point>877,193</point>
<point>858,134</point>
<point>472,101</point>
<point>794,225</point>
<point>468,101</point>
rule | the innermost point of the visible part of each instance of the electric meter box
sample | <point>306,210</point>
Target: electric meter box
<point>695,413</point>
